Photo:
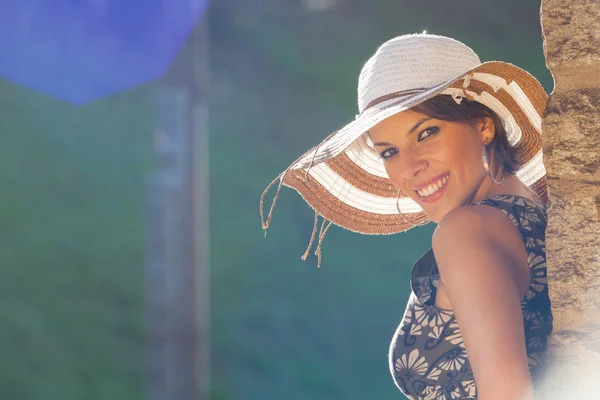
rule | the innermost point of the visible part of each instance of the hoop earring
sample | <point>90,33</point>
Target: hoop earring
<point>402,215</point>
<point>487,167</point>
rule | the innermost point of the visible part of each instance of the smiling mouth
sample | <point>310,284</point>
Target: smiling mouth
<point>435,188</point>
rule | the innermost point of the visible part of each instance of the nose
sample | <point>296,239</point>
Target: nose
<point>412,164</point>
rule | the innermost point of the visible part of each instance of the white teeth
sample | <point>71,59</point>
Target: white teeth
<point>432,188</point>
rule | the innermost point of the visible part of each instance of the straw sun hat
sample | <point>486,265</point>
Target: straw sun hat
<point>344,179</point>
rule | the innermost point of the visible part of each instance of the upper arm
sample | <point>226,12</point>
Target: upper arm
<point>479,267</point>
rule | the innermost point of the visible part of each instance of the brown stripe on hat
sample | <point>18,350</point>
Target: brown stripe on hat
<point>347,216</point>
<point>350,171</point>
<point>540,187</point>
<point>530,86</point>
<point>395,95</point>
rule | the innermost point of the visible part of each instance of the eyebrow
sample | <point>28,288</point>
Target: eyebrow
<point>414,128</point>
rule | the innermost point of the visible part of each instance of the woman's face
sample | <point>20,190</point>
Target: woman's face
<point>418,150</point>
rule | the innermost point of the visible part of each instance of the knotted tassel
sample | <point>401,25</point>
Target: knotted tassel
<point>322,233</point>
<point>265,224</point>
<point>312,237</point>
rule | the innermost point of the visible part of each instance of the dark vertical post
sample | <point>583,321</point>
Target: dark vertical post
<point>177,275</point>
<point>200,203</point>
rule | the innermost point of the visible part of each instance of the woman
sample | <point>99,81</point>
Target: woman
<point>443,137</point>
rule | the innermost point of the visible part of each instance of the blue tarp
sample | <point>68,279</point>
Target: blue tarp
<point>80,50</point>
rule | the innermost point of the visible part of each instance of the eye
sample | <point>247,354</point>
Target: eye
<point>387,153</point>
<point>429,131</point>
<point>425,133</point>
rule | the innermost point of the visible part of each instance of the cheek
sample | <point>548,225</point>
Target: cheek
<point>451,153</point>
<point>394,175</point>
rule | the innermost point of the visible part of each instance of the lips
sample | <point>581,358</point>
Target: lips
<point>424,185</point>
<point>435,196</point>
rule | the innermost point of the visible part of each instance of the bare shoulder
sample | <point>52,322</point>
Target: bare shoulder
<point>480,235</point>
<point>479,219</point>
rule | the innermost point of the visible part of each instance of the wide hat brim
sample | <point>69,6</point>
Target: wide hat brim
<point>345,181</point>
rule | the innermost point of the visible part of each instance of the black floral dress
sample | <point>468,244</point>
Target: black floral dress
<point>427,356</point>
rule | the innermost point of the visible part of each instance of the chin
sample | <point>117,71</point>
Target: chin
<point>436,214</point>
<point>434,217</point>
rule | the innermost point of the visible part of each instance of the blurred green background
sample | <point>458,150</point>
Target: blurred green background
<point>283,76</point>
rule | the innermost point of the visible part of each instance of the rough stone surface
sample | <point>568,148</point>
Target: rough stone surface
<point>573,247</point>
<point>571,135</point>
<point>570,30</point>
<point>571,145</point>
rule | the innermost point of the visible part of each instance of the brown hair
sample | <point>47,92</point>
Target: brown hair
<point>444,107</point>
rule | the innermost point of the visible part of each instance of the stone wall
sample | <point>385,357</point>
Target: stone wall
<point>571,145</point>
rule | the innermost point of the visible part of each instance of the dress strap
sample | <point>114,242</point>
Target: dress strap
<point>523,211</point>
<point>425,278</point>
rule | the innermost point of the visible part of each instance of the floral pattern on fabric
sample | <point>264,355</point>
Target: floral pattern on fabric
<point>427,356</point>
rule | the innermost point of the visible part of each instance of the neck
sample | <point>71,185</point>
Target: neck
<point>511,185</point>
